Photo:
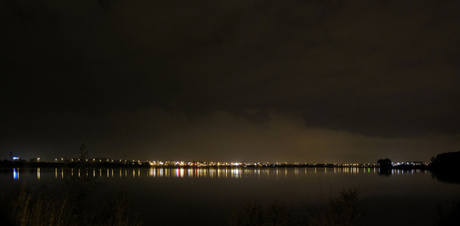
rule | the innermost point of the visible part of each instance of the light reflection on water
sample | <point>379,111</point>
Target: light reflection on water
<point>224,172</point>
<point>15,174</point>
<point>211,194</point>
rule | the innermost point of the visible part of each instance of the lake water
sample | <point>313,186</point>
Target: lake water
<point>208,196</point>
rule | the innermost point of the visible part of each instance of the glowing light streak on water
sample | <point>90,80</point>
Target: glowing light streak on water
<point>15,174</point>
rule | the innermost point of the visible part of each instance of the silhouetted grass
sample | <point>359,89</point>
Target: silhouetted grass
<point>25,208</point>
<point>72,205</point>
<point>450,217</point>
<point>342,210</point>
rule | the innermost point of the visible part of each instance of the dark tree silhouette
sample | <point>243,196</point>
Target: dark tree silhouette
<point>446,161</point>
<point>384,163</point>
<point>385,167</point>
<point>446,167</point>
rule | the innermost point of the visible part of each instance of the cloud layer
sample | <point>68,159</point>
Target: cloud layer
<point>313,80</point>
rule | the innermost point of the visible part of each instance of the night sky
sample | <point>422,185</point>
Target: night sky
<point>240,80</point>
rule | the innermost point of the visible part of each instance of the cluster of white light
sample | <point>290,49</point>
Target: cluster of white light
<point>409,163</point>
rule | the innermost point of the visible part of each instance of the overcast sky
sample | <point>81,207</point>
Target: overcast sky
<point>241,80</point>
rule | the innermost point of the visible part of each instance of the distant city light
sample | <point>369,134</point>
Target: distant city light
<point>15,158</point>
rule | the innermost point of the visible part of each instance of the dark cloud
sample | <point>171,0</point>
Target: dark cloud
<point>367,69</point>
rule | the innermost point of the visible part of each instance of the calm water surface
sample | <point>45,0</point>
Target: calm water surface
<point>207,196</point>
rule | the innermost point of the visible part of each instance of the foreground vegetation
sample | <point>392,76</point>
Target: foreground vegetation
<point>342,210</point>
<point>73,204</point>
